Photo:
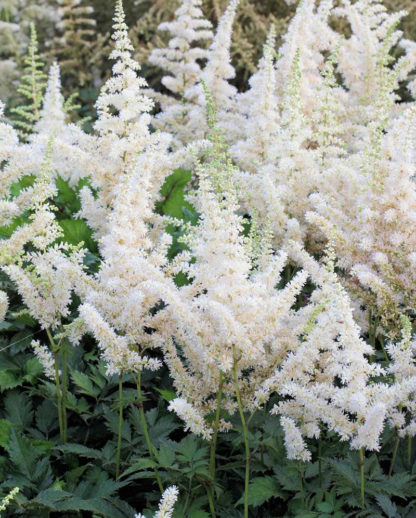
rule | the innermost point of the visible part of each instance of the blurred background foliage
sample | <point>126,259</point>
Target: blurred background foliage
<point>76,34</point>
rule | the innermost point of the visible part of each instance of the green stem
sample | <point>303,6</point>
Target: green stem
<point>211,502</point>
<point>64,391</point>
<point>386,356</point>
<point>120,424</point>
<point>58,386</point>
<point>245,434</point>
<point>302,490</point>
<point>216,427</point>
<point>372,330</point>
<point>146,431</point>
<point>409,451</point>
<point>213,447</point>
<point>320,461</point>
<point>362,476</point>
<point>393,460</point>
<point>58,396</point>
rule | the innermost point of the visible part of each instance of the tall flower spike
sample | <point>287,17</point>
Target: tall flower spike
<point>122,126</point>
<point>219,69</point>
<point>259,108</point>
<point>373,33</point>
<point>181,58</point>
<point>46,272</point>
<point>118,309</point>
<point>31,88</point>
<point>166,505</point>
<point>216,75</point>
<point>4,305</point>
<point>217,318</point>
<point>52,116</point>
<point>123,93</point>
<point>308,35</point>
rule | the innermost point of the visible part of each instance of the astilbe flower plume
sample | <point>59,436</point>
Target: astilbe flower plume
<point>46,273</point>
<point>181,60</point>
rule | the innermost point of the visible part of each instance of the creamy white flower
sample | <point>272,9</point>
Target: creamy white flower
<point>45,358</point>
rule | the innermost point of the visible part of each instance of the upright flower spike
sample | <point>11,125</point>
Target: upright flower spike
<point>307,37</point>
<point>4,305</point>
<point>276,187</point>
<point>127,129</point>
<point>400,400</point>
<point>329,115</point>
<point>181,58</point>
<point>373,28</point>
<point>166,505</point>
<point>45,272</point>
<point>216,75</point>
<point>326,377</point>
<point>259,109</point>
<point>372,220</point>
<point>217,317</point>
<point>31,88</point>
<point>52,115</point>
<point>9,142</point>
<point>219,70</point>
<point>118,309</point>
<point>122,127</point>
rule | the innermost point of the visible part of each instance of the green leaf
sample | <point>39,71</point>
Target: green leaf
<point>46,417</point>
<point>166,456</point>
<point>67,197</point>
<point>262,489</point>
<point>199,514</point>
<point>6,231</point>
<point>167,395</point>
<point>325,507</point>
<point>24,182</point>
<point>140,465</point>
<point>388,507</point>
<point>22,454</point>
<point>9,380</point>
<point>19,409</point>
<point>80,450</point>
<point>84,384</point>
<point>77,231</point>
<point>173,194</point>
<point>5,429</point>
<point>33,369</point>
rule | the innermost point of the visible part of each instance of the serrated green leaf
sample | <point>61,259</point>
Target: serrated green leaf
<point>80,450</point>
<point>32,369</point>
<point>19,409</point>
<point>167,395</point>
<point>166,456</point>
<point>198,514</point>
<point>262,489</point>
<point>5,429</point>
<point>173,194</point>
<point>9,380</point>
<point>76,231</point>
<point>22,454</point>
<point>46,417</point>
<point>84,384</point>
<point>388,507</point>
<point>325,507</point>
<point>140,465</point>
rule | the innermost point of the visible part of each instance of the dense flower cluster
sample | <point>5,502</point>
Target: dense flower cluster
<point>310,170</point>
